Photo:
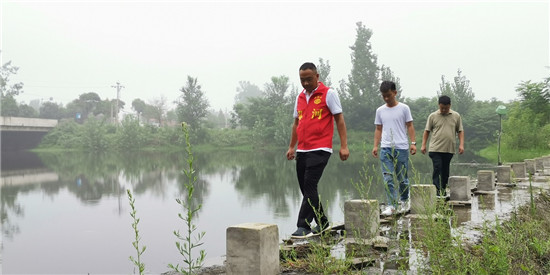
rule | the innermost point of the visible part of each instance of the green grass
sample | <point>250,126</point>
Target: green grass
<point>511,155</point>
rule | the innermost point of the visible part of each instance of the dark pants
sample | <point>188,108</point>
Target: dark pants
<point>309,168</point>
<point>441,163</point>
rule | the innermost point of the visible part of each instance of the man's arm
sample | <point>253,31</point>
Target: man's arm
<point>424,140</point>
<point>461,142</point>
<point>342,132</point>
<point>291,153</point>
<point>412,136</point>
<point>377,138</point>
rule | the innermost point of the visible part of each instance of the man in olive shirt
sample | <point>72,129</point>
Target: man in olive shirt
<point>444,124</point>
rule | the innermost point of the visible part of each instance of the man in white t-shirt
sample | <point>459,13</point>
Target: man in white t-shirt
<point>393,121</point>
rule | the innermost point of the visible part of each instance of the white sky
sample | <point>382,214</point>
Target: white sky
<point>66,48</point>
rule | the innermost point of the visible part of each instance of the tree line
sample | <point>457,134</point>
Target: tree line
<point>262,116</point>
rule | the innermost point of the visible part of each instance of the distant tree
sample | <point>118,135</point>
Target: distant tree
<point>27,111</point>
<point>9,106</point>
<point>269,116</point>
<point>247,90</point>
<point>362,97</point>
<point>139,106</point>
<point>158,108</point>
<point>105,107</point>
<point>51,110</point>
<point>89,102</point>
<point>481,124</point>
<point>421,108</point>
<point>323,69</point>
<point>194,105</point>
<point>536,96</point>
<point>460,92</point>
<point>276,90</point>
<point>8,91</point>
<point>527,123</point>
<point>6,88</point>
<point>387,74</point>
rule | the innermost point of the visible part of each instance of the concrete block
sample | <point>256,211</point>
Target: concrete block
<point>362,218</point>
<point>539,164</point>
<point>423,197</point>
<point>486,201</point>
<point>252,248</point>
<point>460,188</point>
<point>485,180</point>
<point>546,162</point>
<point>504,174</point>
<point>519,169</point>
<point>530,167</point>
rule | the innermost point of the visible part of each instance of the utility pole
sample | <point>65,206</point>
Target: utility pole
<point>118,88</point>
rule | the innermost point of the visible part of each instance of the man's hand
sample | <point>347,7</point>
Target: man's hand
<point>413,149</point>
<point>375,151</point>
<point>423,149</point>
<point>291,154</point>
<point>461,150</point>
<point>344,153</point>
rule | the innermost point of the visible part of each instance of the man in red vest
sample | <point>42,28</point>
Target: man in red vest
<point>317,106</point>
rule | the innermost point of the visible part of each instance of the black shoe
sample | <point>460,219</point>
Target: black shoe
<point>300,232</point>
<point>318,230</point>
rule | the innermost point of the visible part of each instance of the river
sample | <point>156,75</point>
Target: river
<point>69,212</point>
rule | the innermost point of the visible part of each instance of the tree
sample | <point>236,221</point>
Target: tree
<point>460,92</point>
<point>88,102</point>
<point>387,74</point>
<point>193,106</point>
<point>8,91</point>
<point>5,88</point>
<point>27,111</point>
<point>139,106</point>
<point>535,96</point>
<point>361,96</point>
<point>50,110</point>
<point>323,69</point>
<point>275,91</point>
<point>421,108</point>
<point>269,116</point>
<point>245,91</point>
<point>158,108</point>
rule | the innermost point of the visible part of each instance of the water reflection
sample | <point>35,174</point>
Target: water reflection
<point>78,201</point>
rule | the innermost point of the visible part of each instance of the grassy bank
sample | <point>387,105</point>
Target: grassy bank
<point>511,155</point>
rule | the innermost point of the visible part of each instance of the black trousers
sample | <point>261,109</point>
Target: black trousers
<point>309,169</point>
<point>441,164</point>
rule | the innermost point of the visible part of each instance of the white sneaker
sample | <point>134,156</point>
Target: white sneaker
<point>388,211</point>
<point>404,206</point>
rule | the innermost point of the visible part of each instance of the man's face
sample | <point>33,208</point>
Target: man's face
<point>389,97</point>
<point>309,80</point>
<point>444,109</point>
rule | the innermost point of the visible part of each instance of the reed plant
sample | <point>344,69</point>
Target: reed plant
<point>188,242</point>
<point>137,238</point>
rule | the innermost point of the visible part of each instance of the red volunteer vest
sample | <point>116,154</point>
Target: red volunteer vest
<point>315,126</point>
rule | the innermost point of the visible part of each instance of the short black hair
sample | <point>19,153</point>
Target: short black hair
<point>308,66</point>
<point>445,100</point>
<point>387,86</point>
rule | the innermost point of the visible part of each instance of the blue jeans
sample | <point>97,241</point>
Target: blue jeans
<point>395,165</point>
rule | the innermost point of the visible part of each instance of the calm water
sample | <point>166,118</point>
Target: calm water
<point>69,213</point>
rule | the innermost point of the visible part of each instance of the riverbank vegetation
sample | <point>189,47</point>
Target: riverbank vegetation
<point>261,117</point>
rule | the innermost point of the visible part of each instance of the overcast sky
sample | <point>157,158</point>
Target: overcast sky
<point>66,48</point>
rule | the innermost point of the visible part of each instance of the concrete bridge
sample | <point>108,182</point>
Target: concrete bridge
<point>21,133</point>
